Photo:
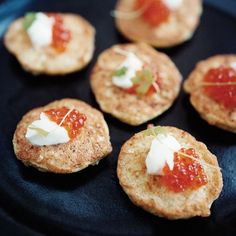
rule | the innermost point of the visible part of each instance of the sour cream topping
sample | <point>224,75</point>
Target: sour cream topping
<point>233,65</point>
<point>46,132</point>
<point>173,4</point>
<point>161,153</point>
<point>133,64</point>
<point>40,31</point>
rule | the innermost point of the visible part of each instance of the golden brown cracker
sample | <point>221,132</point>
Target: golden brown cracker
<point>47,60</point>
<point>130,108</point>
<point>88,148</point>
<point>180,26</point>
<point>144,190</point>
<point>209,110</point>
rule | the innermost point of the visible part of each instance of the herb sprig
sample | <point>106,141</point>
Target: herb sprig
<point>143,80</point>
<point>29,19</point>
<point>121,71</point>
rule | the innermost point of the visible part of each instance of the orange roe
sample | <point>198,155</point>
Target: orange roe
<point>60,35</point>
<point>223,94</point>
<point>154,12</point>
<point>72,123</point>
<point>186,174</point>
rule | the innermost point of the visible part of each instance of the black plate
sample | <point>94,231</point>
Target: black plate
<point>91,202</point>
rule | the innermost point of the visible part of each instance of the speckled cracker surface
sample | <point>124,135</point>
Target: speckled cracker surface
<point>146,192</point>
<point>76,56</point>
<point>180,26</point>
<point>88,148</point>
<point>130,108</point>
<point>211,111</point>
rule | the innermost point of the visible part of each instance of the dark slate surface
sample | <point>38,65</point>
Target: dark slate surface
<point>91,202</point>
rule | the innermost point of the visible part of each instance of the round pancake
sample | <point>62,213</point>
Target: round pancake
<point>88,148</point>
<point>180,26</point>
<point>209,110</point>
<point>47,60</point>
<point>145,191</point>
<point>129,108</point>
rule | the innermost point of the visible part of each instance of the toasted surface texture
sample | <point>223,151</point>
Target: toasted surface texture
<point>89,146</point>
<point>145,191</point>
<point>130,108</point>
<point>77,54</point>
<point>211,111</point>
<point>180,26</point>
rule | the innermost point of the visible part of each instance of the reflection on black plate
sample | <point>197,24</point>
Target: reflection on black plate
<point>91,202</point>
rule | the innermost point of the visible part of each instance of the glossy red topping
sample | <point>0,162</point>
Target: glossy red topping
<point>221,90</point>
<point>72,121</point>
<point>154,12</point>
<point>60,35</point>
<point>187,173</point>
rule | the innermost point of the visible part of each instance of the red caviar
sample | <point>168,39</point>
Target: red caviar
<point>224,94</point>
<point>154,12</point>
<point>187,173</point>
<point>73,121</point>
<point>60,35</point>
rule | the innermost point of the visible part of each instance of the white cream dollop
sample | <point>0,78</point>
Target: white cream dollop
<point>46,132</point>
<point>40,31</point>
<point>133,64</point>
<point>161,153</point>
<point>233,65</point>
<point>173,5</point>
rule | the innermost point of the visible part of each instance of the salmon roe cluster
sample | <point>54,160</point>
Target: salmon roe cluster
<point>154,12</point>
<point>219,85</point>
<point>72,122</point>
<point>60,35</point>
<point>186,174</point>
